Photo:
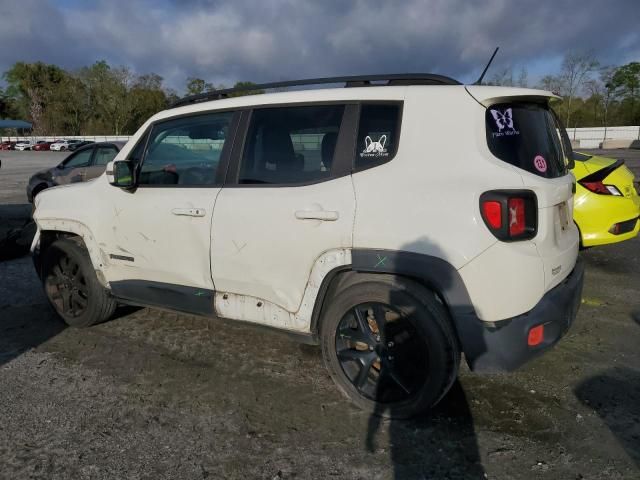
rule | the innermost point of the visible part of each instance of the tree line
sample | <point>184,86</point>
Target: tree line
<point>94,100</point>
<point>104,99</point>
<point>593,95</point>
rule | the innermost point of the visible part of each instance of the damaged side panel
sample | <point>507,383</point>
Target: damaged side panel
<point>99,258</point>
<point>256,310</point>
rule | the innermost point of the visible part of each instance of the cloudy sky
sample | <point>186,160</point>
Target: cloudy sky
<point>227,40</point>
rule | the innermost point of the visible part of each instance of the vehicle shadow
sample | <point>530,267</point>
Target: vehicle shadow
<point>16,230</point>
<point>614,395</point>
<point>24,327</point>
<point>442,442</point>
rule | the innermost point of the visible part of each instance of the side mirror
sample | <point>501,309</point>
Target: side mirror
<point>120,174</point>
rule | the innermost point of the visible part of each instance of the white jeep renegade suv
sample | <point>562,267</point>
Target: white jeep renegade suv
<point>398,224</point>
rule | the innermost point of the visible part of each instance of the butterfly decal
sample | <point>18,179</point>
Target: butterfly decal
<point>503,119</point>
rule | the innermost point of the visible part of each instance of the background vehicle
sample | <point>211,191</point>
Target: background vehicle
<point>245,208</point>
<point>23,145</point>
<point>62,145</point>
<point>7,145</point>
<point>606,203</point>
<point>74,146</point>
<point>41,146</point>
<point>86,163</point>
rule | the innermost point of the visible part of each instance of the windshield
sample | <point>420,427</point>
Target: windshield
<point>526,136</point>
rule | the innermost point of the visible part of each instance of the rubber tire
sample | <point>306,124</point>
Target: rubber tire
<point>431,318</point>
<point>100,305</point>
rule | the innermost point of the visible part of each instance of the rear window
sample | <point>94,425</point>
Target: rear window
<point>526,136</point>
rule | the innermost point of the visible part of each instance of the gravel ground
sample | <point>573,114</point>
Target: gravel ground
<point>153,394</point>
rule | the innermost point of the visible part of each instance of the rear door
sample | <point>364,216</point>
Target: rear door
<point>288,199</point>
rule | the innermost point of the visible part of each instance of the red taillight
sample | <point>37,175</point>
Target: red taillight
<point>510,215</point>
<point>517,224</point>
<point>536,336</point>
<point>596,187</point>
<point>493,213</point>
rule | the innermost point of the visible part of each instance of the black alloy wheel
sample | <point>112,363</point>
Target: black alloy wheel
<point>381,352</point>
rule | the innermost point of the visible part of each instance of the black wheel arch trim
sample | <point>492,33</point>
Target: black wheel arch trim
<point>432,272</point>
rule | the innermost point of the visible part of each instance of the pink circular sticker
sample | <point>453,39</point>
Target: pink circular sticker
<point>540,163</point>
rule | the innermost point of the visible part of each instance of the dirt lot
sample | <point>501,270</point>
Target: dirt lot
<point>161,395</point>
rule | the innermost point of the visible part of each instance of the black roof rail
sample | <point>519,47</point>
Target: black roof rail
<point>350,81</point>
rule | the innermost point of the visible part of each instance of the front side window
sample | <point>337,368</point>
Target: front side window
<point>80,159</point>
<point>526,136</point>
<point>288,145</point>
<point>378,131</point>
<point>185,151</point>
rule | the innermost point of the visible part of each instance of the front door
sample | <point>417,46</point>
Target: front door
<point>289,199</point>
<point>159,235</point>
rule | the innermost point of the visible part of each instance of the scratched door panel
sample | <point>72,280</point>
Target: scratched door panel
<point>263,248</point>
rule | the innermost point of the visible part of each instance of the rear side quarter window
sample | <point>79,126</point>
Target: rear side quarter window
<point>378,133</point>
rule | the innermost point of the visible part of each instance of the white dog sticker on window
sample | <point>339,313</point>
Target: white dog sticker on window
<point>374,149</point>
<point>504,122</point>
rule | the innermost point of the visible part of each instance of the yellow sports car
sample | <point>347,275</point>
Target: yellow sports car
<point>606,206</point>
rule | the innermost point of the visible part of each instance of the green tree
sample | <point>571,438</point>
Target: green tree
<point>196,86</point>
<point>147,98</point>
<point>8,108</point>
<point>246,89</point>
<point>36,87</point>
<point>626,83</point>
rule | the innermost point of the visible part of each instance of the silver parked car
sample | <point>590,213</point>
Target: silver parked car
<point>84,164</point>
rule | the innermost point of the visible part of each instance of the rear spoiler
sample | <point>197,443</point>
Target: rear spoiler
<point>603,173</point>
<point>489,95</point>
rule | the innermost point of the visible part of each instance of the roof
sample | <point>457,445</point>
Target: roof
<point>14,124</point>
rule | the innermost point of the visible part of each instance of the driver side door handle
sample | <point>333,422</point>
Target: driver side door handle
<point>324,215</point>
<point>189,212</point>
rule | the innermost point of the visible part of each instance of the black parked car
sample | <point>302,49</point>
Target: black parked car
<point>84,164</point>
<point>75,146</point>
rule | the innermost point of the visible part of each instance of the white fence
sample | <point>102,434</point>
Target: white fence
<point>93,138</point>
<point>591,137</point>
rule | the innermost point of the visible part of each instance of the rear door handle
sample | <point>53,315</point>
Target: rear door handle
<point>189,212</point>
<point>324,215</point>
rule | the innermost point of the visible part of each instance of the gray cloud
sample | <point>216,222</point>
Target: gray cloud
<point>225,40</point>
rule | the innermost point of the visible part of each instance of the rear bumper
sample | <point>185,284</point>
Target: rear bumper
<point>502,346</point>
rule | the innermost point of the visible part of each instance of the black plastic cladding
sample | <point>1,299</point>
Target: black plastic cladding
<point>531,213</point>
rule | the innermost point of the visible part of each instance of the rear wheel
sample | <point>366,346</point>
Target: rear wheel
<point>72,287</point>
<point>389,345</point>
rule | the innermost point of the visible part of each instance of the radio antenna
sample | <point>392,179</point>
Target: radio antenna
<point>479,81</point>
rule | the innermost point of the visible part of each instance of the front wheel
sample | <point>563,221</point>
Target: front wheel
<point>389,346</point>
<point>72,287</point>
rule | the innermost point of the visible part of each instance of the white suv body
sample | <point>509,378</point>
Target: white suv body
<point>59,145</point>
<point>406,192</point>
<point>24,145</point>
